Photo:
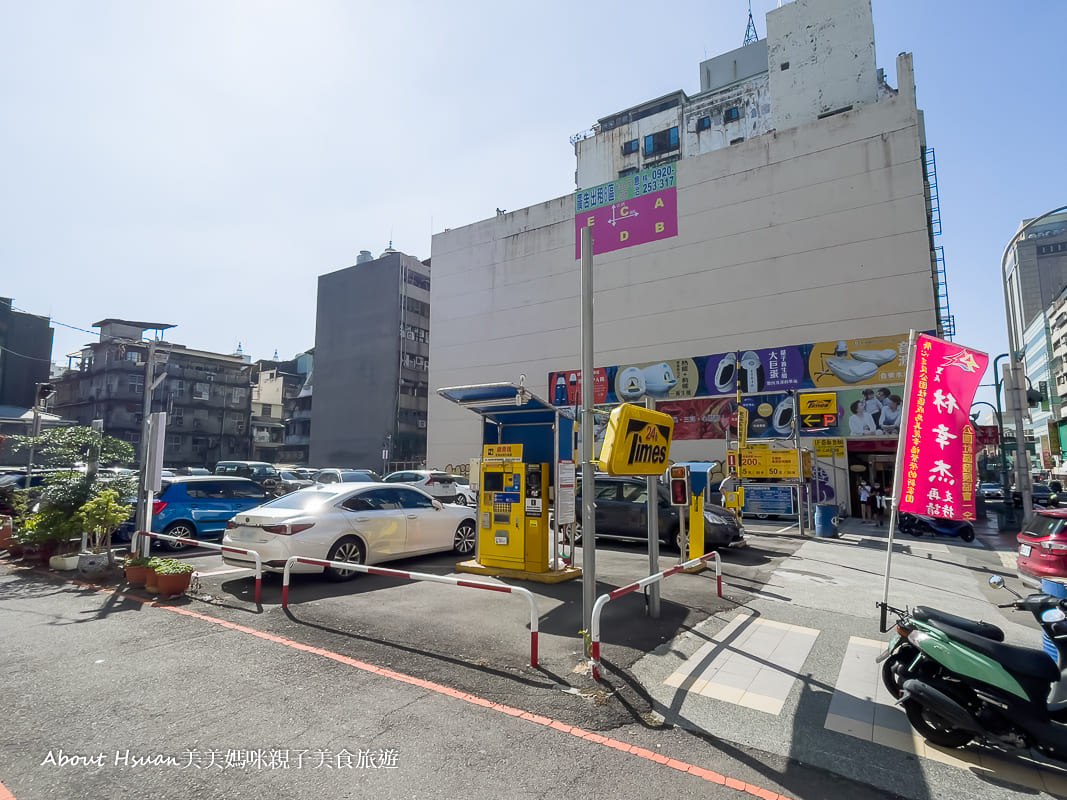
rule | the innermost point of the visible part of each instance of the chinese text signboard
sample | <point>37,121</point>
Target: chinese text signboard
<point>636,209</point>
<point>936,471</point>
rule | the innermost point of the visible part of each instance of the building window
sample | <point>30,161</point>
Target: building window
<point>178,413</point>
<point>174,440</point>
<point>136,383</point>
<point>177,388</point>
<point>132,355</point>
<point>415,279</point>
<point>239,395</point>
<point>199,441</point>
<point>629,147</point>
<point>731,115</point>
<point>738,140</point>
<point>201,391</point>
<point>785,66</point>
<point>703,124</point>
<point>628,171</point>
<point>662,141</point>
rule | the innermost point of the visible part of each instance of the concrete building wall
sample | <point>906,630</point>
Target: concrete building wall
<point>737,65</point>
<point>815,233</point>
<point>820,58</point>
<point>356,365</point>
<point>26,340</point>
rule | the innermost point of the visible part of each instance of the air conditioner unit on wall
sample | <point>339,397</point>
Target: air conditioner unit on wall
<point>422,423</point>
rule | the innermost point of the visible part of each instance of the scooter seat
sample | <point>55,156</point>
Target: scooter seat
<point>987,630</point>
<point>1018,660</point>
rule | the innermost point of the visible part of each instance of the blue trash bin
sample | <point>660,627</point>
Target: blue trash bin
<point>826,520</point>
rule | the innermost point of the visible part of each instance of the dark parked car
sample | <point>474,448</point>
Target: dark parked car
<point>262,473</point>
<point>198,507</point>
<point>1042,494</point>
<point>622,513</point>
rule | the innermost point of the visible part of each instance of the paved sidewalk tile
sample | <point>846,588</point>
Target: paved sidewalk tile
<point>752,662</point>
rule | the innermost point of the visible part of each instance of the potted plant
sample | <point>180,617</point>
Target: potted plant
<point>44,534</point>
<point>151,581</point>
<point>136,568</point>
<point>99,516</point>
<point>173,576</point>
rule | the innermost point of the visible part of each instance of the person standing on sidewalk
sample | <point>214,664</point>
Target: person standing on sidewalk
<point>878,501</point>
<point>865,496</point>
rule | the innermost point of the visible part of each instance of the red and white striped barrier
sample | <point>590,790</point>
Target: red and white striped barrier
<point>598,606</point>
<point>420,576</point>
<point>225,548</point>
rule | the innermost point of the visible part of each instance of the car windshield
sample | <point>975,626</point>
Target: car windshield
<point>301,501</point>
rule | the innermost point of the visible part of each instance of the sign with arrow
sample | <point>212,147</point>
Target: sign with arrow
<point>817,410</point>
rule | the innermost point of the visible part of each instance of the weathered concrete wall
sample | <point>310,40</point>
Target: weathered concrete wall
<point>812,234</point>
<point>820,58</point>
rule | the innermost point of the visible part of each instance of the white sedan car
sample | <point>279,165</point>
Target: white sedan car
<point>366,523</point>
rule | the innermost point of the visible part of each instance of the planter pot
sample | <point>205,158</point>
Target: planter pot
<point>7,533</point>
<point>38,551</point>
<point>135,575</point>
<point>151,581</point>
<point>64,562</point>
<point>170,585</point>
<point>91,565</point>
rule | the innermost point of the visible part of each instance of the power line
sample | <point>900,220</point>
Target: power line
<point>53,321</point>
<point>23,355</point>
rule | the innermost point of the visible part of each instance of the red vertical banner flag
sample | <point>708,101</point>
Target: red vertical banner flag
<point>936,473</point>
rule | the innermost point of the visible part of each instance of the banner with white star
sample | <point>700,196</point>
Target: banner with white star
<point>936,471</point>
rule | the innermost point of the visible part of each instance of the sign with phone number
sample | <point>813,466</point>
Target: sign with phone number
<point>646,181</point>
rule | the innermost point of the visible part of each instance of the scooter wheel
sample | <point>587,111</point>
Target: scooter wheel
<point>933,728</point>
<point>967,535</point>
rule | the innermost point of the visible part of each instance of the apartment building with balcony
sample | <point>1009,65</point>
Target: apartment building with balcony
<point>206,395</point>
<point>276,386</point>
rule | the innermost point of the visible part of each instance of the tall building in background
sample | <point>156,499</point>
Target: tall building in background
<point>25,355</point>
<point>276,386</point>
<point>206,395</point>
<point>372,332</point>
<point>1035,271</point>
<point>776,226</point>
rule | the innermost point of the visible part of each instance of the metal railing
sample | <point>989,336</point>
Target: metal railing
<point>419,576</point>
<point>225,548</point>
<point>598,606</point>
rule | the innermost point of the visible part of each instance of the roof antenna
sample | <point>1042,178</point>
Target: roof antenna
<point>750,31</point>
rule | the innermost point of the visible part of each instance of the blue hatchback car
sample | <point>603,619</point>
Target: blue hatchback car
<point>198,507</point>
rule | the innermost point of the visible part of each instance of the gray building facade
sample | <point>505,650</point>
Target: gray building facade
<point>372,333</point>
<point>25,354</point>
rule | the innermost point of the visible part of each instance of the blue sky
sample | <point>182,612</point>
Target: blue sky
<point>201,163</point>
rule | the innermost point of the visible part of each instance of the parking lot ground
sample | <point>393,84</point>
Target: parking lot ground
<point>173,700</point>
<point>796,626</point>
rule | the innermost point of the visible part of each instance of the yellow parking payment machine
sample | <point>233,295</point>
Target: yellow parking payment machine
<point>512,510</point>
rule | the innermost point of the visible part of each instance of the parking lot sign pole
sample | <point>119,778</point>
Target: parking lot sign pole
<point>588,429</point>
<point>652,502</point>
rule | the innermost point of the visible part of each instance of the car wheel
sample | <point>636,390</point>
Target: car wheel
<point>465,538</point>
<point>180,529</point>
<point>347,549</point>
<point>461,500</point>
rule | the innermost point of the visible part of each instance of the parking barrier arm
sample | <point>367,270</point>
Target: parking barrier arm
<point>225,548</point>
<point>419,576</point>
<point>598,606</point>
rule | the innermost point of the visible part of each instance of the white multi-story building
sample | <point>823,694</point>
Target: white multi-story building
<point>781,216</point>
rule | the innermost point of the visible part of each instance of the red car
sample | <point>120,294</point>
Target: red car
<point>1043,547</point>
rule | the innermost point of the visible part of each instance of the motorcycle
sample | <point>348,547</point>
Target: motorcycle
<point>960,682</point>
<point>918,524</point>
